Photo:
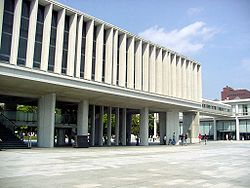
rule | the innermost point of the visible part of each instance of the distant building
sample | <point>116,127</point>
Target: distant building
<point>229,93</point>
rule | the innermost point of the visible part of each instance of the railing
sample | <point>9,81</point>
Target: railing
<point>7,122</point>
<point>33,117</point>
<point>216,107</point>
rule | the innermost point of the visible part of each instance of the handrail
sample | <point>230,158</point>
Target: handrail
<point>13,125</point>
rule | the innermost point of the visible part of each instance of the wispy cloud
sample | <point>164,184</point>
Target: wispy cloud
<point>245,65</point>
<point>194,11</point>
<point>189,39</point>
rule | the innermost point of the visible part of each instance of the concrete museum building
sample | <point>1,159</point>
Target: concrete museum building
<point>53,56</point>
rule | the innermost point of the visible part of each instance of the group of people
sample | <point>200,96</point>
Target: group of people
<point>205,138</point>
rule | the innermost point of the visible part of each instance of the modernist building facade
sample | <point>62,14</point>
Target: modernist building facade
<point>237,126</point>
<point>52,54</point>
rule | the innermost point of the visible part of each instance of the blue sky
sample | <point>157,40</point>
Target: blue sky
<point>216,33</point>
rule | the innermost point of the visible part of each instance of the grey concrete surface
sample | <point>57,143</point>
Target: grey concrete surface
<point>218,164</point>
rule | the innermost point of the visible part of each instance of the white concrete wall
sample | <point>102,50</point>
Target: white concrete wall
<point>130,63</point>
<point>150,68</point>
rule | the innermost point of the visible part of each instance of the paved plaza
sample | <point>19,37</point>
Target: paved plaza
<point>218,164</point>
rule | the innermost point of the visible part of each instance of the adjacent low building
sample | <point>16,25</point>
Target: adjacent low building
<point>236,127</point>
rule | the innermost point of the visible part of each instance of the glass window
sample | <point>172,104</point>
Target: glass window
<point>7,30</point>
<point>39,37</point>
<point>23,33</point>
<point>118,57</point>
<point>52,42</point>
<point>9,5</point>
<point>65,45</point>
<point>94,53</point>
<point>83,50</point>
<point>245,110</point>
<point>104,56</point>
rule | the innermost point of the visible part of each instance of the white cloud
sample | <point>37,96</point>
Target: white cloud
<point>245,65</point>
<point>189,39</point>
<point>194,11</point>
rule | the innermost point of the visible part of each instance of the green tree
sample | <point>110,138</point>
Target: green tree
<point>135,129</point>
<point>27,108</point>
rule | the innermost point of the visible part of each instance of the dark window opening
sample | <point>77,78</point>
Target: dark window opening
<point>39,37</point>
<point>23,33</point>
<point>52,47</point>
<point>82,65</point>
<point>65,45</point>
<point>7,30</point>
<point>104,55</point>
<point>94,53</point>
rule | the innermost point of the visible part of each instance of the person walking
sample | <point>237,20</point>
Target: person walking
<point>185,138</point>
<point>205,138</point>
<point>173,141</point>
<point>165,140</point>
<point>200,137</point>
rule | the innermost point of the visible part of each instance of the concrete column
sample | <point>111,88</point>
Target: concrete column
<point>184,77</point>
<point>46,37</point>
<point>188,86</point>
<point>215,129</point>
<point>130,63</point>
<point>152,69</point>
<point>174,76</point>
<point>108,56</point>
<point>158,72</point>
<point>191,124</point>
<point>89,50</point>
<point>237,128</point>
<point>163,125</point>
<point>117,119</point>
<point>115,47</point>
<point>83,117</point>
<point>178,78</point>
<point>172,127</point>
<point>61,137</point>
<point>16,32</point>
<point>79,46</point>
<point>59,41</point>
<point>144,126</point>
<point>170,84</point>
<point>92,138</point>
<point>100,141</point>
<point>46,120</point>
<point>122,60</point>
<point>164,74</point>
<point>71,45</point>
<point>99,53</point>
<point>138,65</point>
<point>123,124</point>
<point>1,19</point>
<point>128,128</point>
<point>199,84</point>
<point>195,91</point>
<point>192,80</point>
<point>31,34</point>
<point>109,125</point>
<point>145,68</point>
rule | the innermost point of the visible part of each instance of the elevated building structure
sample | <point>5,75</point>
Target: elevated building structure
<point>55,57</point>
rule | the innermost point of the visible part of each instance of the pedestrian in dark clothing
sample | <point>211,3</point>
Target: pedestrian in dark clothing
<point>205,138</point>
